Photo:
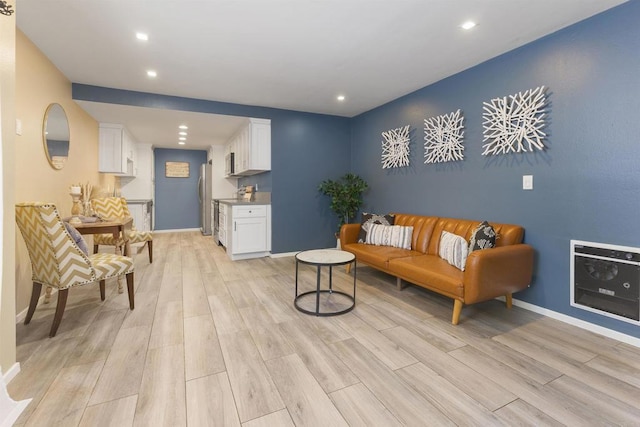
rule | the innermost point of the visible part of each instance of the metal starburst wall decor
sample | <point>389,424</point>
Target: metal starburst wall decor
<point>514,123</point>
<point>395,148</point>
<point>6,8</point>
<point>443,138</point>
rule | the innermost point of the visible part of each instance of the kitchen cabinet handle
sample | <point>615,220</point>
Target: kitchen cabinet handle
<point>234,226</point>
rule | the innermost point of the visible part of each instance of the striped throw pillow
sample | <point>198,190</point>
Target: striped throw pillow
<point>397,236</point>
<point>453,249</point>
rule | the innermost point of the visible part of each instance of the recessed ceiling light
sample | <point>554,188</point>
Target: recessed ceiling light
<point>340,98</point>
<point>181,142</point>
<point>142,36</point>
<point>152,73</point>
<point>468,25</point>
<point>183,138</point>
<point>183,127</point>
<point>182,133</point>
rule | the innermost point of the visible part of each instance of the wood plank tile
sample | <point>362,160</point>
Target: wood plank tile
<point>307,403</point>
<point>168,328</point>
<point>122,371</point>
<point>242,294</point>
<point>225,314</point>
<point>117,413</point>
<point>326,367</point>
<point>403,402</point>
<point>96,344</point>
<point>602,409</point>
<point>194,297</point>
<point>382,347</point>
<point>622,370</point>
<point>214,284</point>
<point>555,404</point>
<point>265,290</point>
<point>144,312</point>
<point>361,408</point>
<point>520,413</point>
<point>39,371</point>
<point>266,334</point>
<point>553,345</point>
<point>279,418</point>
<point>614,387</point>
<point>375,318</point>
<point>162,400</point>
<point>256,394</point>
<point>210,402</point>
<point>67,396</point>
<point>202,352</point>
<point>480,387</point>
<point>457,406</point>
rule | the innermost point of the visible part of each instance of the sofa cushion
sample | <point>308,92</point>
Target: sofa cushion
<point>369,219</point>
<point>396,236</point>
<point>377,256</point>
<point>430,271</point>
<point>453,249</point>
<point>483,237</point>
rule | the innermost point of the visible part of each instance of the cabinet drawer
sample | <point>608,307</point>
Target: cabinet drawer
<point>249,211</point>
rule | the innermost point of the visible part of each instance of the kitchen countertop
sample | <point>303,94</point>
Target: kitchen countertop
<point>233,202</point>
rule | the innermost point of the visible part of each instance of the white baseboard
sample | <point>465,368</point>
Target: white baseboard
<point>177,230</point>
<point>10,409</point>
<point>610,333</point>
<point>11,373</point>
<point>283,254</point>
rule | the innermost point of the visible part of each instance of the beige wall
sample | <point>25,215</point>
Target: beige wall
<point>38,84</point>
<point>7,139</point>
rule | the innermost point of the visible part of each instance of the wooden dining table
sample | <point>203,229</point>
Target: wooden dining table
<point>119,227</point>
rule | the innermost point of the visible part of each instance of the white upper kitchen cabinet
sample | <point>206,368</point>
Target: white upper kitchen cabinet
<point>252,147</point>
<point>140,187</point>
<point>116,153</point>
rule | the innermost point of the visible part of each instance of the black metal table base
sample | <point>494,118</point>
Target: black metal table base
<point>319,291</point>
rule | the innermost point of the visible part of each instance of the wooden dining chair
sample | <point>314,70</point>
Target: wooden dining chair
<point>116,207</point>
<point>58,261</point>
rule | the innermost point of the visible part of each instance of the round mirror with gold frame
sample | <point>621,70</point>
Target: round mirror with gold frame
<point>55,136</point>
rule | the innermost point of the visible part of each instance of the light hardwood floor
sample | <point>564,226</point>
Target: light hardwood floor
<point>219,343</point>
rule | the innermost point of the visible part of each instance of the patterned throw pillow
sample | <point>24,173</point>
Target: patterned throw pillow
<point>397,236</point>
<point>368,219</point>
<point>483,237</point>
<point>453,249</point>
<point>77,237</point>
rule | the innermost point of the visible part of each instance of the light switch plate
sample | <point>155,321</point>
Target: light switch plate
<point>18,127</point>
<point>527,182</point>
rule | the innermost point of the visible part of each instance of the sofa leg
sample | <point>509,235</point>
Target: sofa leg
<point>400,284</point>
<point>508,299</point>
<point>457,309</point>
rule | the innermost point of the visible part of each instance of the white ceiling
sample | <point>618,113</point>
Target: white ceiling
<point>291,54</point>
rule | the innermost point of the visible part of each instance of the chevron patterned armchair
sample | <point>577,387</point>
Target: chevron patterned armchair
<point>57,261</point>
<point>116,207</point>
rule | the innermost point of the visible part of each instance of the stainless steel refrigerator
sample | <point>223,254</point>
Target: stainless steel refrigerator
<point>204,195</point>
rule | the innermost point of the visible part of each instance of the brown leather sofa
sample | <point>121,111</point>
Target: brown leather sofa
<point>489,273</point>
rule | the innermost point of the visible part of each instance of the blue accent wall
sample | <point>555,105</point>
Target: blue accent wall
<point>305,149</point>
<point>176,199</point>
<point>587,181</point>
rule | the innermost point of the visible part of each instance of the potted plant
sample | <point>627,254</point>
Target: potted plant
<point>346,196</point>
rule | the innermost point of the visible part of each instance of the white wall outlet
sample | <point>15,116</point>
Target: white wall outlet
<point>527,182</point>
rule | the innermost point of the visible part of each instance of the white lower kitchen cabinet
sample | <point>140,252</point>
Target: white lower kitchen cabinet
<point>248,231</point>
<point>140,211</point>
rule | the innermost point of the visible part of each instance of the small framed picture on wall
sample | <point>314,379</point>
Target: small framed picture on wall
<point>176,169</point>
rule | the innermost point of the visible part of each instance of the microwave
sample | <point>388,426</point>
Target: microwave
<point>229,164</point>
